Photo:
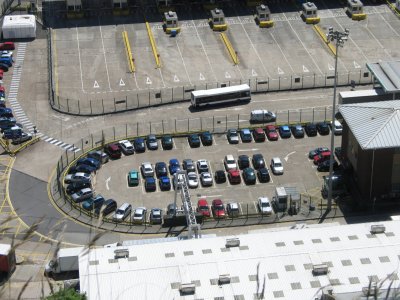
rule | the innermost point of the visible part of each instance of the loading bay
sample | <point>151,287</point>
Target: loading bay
<point>90,60</point>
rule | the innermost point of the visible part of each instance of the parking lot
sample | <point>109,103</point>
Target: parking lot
<point>90,60</point>
<point>111,180</point>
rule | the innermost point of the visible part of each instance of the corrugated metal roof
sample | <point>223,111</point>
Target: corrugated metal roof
<point>375,125</point>
<point>352,253</point>
<point>388,74</point>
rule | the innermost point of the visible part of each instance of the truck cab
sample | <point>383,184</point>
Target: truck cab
<point>217,21</point>
<point>355,10</point>
<point>310,13</point>
<point>263,16</point>
<point>171,25</point>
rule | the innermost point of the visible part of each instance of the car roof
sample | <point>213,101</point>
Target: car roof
<point>263,199</point>
<point>202,202</point>
<point>150,179</point>
<point>234,172</point>
<point>164,179</point>
<point>233,204</point>
<point>124,206</point>
<point>161,163</point>
<point>276,159</point>
<point>259,130</point>
<point>245,130</point>
<point>202,161</point>
<point>139,140</point>
<point>285,127</point>
<point>217,201</point>
<point>140,209</point>
<point>173,160</point>
<point>229,157</point>
<point>146,163</point>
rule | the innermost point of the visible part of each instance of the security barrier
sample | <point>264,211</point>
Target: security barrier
<point>230,49</point>
<point>128,51</point>
<point>153,45</point>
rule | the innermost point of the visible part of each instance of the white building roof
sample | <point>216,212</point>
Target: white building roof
<point>19,21</point>
<point>375,125</point>
<point>278,262</point>
<point>388,74</point>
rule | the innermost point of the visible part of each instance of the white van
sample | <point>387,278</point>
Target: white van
<point>262,115</point>
<point>337,127</point>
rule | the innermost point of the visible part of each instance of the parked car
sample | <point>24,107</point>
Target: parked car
<point>194,140</point>
<point>161,169</point>
<point>284,132</point>
<point>317,151</point>
<point>3,67</point>
<point>218,209</point>
<point>336,127</point>
<point>206,138</point>
<point>323,128</point>
<point>234,176</point>
<point>165,183</point>
<point>245,135</point>
<point>6,123</point>
<point>249,176</point>
<point>324,166</point>
<point>322,157</point>
<point>263,175</point>
<point>297,131</point>
<point>220,176</point>
<point>193,180</point>
<point>172,209</point>
<point>177,180</point>
<point>203,208</point>
<point>173,166</point>
<point>139,216</point>
<point>81,168</point>
<point>147,169</point>
<point>262,116</point>
<point>77,177</point>
<point>206,179</point>
<point>264,205</point>
<point>126,147</point>
<point>243,161</point>
<point>139,145</point>
<point>90,162</point>
<point>258,161</point>
<point>24,137</point>
<point>113,151</point>
<point>82,195</point>
<point>99,155</point>
<point>232,208</point>
<point>258,135</point>
<point>276,166</point>
<point>93,202</point>
<point>151,142</point>
<point>6,112</point>
<point>230,162</point>
<point>167,142</point>
<point>232,136</point>
<point>271,132</point>
<point>133,178</point>
<point>156,216</point>
<point>122,212</point>
<point>12,133</point>
<point>188,165</point>
<point>76,186</point>
<point>7,46</point>
<point>311,129</point>
<point>202,166</point>
<point>150,184</point>
<point>6,53</point>
<point>108,206</point>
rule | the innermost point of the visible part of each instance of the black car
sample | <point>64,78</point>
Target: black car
<point>258,161</point>
<point>220,176</point>
<point>243,162</point>
<point>81,168</point>
<point>249,176</point>
<point>263,175</point>
<point>245,135</point>
<point>206,138</point>
<point>109,206</point>
<point>194,140</point>
<point>167,142</point>
<point>3,67</point>
<point>139,145</point>
<point>161,169</point>
<point>76,186</point>
<point>297,131</point>
<point>323,128</point>
<point>324,166</point>
<point>311,129</point>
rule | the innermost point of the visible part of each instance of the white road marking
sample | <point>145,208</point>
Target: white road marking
<point>243,150</point>
<point>284,56</point>
<point>121,82</point>
<point>107,181</point>
<point>183,61</point>
<point>96,85</point>
<point>79,56</point>
<point>104,54</point>
<point>287,156</point>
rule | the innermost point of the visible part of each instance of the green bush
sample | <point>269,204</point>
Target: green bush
<point>66,294</point>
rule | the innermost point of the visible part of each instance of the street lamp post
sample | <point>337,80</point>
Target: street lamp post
<point>339,38</point>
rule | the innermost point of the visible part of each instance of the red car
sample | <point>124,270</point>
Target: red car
<point>258,135</point>
<point>113,150</point>
<point>2,89</point>
<point>7,46</point>
<point>322,157</point>
<point>234,176</point>
<point>218,209</point>
<point>203,208</point>
<point>1,74</point>
<point>271,132</point>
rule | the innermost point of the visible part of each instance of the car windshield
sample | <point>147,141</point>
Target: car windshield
<point>192,177</point>
<point>278,164</point>
<point>203,207</point>
<point>120,211</point>
<point>138,215</point>
<point>219,207</point>
<point>230,161</point>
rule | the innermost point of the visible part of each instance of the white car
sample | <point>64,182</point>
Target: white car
<point>232,208</point>
<point>122,212</point>
<point>6,53</point>
<point>139,215</point>
<point>147,169</point>
<point>193,180</point>
<point>126,147</point>
<point>202,166</point>
<point>337,127</point>
<point>276,166</point>
<point>206,179</point>
<point>264,206</point>
<point>230,162</point>
<point>70,178</point>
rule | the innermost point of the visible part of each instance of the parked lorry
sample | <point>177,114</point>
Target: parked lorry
<point>67,260</point>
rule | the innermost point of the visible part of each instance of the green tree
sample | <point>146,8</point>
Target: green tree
<point>66,294</point>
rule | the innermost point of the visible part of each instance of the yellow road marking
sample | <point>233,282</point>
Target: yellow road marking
<point>128,51</point>
<point>230,49</point>
<point>325,39</point>
<point>153,45</point>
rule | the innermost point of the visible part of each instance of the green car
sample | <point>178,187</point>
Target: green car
<point>133,178</point>
<point>249,176</point>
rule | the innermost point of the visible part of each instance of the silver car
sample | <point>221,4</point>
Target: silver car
<point>126,147</point>
<point>276,166</point>
<point>82,195</point>
<point>77,177</point>
<point>147,169</point>
<point>122,212</point>
<point>193,180</point>
<point>139,215</point>
<point>264,206</point>
<point>22,138</point>
<point>206,179</point>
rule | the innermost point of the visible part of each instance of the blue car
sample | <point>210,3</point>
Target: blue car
<point>245,135</point>
<point>284,131</point>
<point>150,184</point>
<point>6,61</point>
<point>94,163</point>
<point>93,202</point>
<point>6,123</point>
<point>165,183</point>
<point>174,166</point>
<point>81,168</point>
<point>6,112</point>
<point>139,145</point>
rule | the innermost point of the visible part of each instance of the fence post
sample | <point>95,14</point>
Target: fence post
<point>226,122</point>
<point>150,127</point>
<point>102,104</point>
<point>126,102</point>
<point>114,133</point>
<point>359,82</point>
<point>238,121</point>
<point>68,104</point>
<point>115,106</point>
<point>162,123</point>
<point>175,126</point>
<point>313,114</point>
<point>137,97</point>
<point>314,79</point>
<point>256,84</point>
<point>90,103</point>
<point>279,83</point>
<point>91,135</point>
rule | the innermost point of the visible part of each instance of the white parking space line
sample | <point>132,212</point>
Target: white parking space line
<point>387,23</point>
<point>240,208</point>
<point>283,54</point>
<point>79,56</point>
<point>379,43</point>
<point>104,54</point>
<point>204,50</point>
<point>255,206</point>
<point>183,61</point>
<point>301,42</point>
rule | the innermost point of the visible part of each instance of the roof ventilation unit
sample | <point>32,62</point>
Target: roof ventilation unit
<point>321,269</point>
<point>121,253</point>
<point>235,242</point>
<point>224,279</point>
<point>187,288</point>
<point>377,229</point>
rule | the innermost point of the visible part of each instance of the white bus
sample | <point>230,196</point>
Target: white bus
<point>235,93</point>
